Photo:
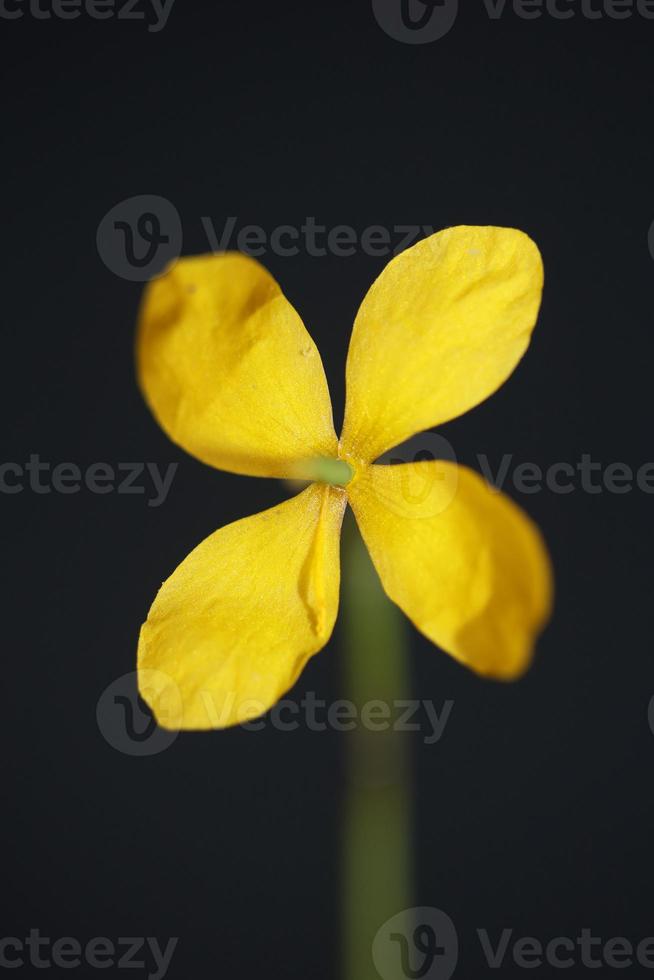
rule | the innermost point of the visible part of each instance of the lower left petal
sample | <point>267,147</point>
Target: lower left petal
<point>232,628</point>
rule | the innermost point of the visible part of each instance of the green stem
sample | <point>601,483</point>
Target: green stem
<point>377,841</point>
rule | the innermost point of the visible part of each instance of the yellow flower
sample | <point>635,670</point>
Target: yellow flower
<point>233,377</point>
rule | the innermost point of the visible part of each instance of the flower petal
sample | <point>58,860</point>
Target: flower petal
<point>229,370</point>
<point>439,331</point>
<point>237,621</point>
<point>465,564</point>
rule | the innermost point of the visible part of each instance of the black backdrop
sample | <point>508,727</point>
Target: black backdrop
<point>535,809</point>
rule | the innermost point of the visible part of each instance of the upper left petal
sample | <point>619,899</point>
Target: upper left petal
<point>229,369</point>
<point>232,628</point>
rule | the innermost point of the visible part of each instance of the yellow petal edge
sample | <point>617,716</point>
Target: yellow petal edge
<point>464,563</point>
<point>232,628</point>
<point>229,370</point>
<point>438,332</point>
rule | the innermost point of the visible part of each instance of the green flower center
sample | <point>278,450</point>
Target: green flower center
<point>323,469</point>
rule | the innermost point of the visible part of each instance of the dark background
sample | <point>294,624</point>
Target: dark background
<point>535,810</point>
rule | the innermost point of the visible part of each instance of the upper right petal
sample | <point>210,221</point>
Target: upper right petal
<point>229,370</point>
<point>439,331</point>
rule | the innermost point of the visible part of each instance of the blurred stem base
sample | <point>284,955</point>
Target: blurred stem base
<point>377,851</point>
